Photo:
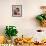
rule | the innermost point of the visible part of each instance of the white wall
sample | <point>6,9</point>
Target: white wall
<point>26,24</point>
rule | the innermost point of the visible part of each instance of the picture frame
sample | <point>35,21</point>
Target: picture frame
<point>16,10</point>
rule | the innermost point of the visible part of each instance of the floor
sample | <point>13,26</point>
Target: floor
<point>30,45</point>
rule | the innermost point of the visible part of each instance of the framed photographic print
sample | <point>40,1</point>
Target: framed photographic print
<point>16,10</point>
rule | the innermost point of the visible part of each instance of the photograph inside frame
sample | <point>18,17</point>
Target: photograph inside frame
<point>16,10</point>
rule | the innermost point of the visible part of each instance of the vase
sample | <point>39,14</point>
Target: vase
<point>43,23</point>
<point>9,41</point>
<point>13,38</point>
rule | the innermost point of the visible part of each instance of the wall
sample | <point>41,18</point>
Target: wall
<point>26,24</point>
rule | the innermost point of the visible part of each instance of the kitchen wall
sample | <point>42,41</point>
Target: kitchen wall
<point>26,24</point>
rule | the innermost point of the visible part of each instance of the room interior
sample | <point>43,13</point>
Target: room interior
<point>23,30</point>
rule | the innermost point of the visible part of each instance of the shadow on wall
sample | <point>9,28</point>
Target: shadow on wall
<point>34,21</point>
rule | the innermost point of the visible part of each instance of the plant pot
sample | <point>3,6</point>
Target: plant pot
<point>9,41</point>
<point>43,23</point>
<point>13,38</point>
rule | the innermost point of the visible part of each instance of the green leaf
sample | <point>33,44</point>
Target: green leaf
<point>45,16</point>
<point>40,18</point>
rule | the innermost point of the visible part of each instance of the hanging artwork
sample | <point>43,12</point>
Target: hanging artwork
<point>16,10</point>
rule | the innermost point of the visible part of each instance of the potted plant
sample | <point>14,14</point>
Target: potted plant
<point>42,17</point>
<point>10,31</point>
